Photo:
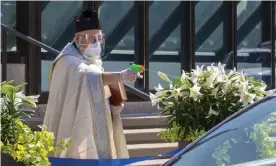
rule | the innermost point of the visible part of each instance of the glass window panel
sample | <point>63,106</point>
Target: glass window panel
<point>56,17</point>
<point>126,43</point>
<point>249,24</point>
<point>8,17</point>
<point>45,67</point>
<point>159,12</point>
<point>254,62</point>
<point>110,14</point>
<point>209,32</point>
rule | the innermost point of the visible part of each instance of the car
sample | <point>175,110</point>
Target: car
<point>244,139</point>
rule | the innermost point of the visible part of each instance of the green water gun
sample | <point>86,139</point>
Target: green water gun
<point>138,68</point>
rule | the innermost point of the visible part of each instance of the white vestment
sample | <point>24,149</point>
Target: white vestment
<point>78,108</point>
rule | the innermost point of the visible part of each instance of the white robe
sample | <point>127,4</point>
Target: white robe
<point>78,108</point>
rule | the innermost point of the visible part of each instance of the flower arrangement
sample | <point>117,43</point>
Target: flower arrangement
<point>198,100</point>
<point>17,139</point>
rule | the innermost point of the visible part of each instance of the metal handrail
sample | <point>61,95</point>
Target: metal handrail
<point>135,91</point>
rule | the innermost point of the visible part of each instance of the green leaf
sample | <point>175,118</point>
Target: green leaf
<point>164,77</point>
<point>28,102</point>
<point>176,81</point>
<point>8,90</point>
<point>6,83</point>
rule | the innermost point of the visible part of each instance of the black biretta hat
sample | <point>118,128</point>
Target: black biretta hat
<point>87,20</point>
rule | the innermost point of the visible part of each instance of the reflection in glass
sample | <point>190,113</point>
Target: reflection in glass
<point>56,17</point>
<point>255,63</point>
<point>252,60</point>
<point>111,14</point>
<point>238,140</point>
<point>45,67</point>
<point>8,17</point>
<point>249,24</point>
<point>159,12</point>
<point>209,32</point>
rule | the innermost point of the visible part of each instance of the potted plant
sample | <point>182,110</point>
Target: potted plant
<point>198,100</point>
<point>19,144</point>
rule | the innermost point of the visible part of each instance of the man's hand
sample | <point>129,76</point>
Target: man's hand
<point>129,75</point>
<point>116,109</point>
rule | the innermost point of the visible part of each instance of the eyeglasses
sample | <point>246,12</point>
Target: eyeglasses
<point>87,39</point>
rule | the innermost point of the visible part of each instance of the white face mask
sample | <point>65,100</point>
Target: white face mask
<point>93,50</point>
<point>93,54</point>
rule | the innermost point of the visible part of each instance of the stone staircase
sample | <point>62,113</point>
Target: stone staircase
<point>141,123</point>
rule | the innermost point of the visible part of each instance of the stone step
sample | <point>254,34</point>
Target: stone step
<point>135,136</point>
<point>130,108</point>
<point>157,162</point>
<point>137,122</point>
<point>150,149</point>
<point>142,122</point>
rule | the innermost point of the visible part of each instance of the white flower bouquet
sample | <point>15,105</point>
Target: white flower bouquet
<point>198,100</point>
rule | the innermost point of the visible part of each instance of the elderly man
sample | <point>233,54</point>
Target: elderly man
<point>78,105</point>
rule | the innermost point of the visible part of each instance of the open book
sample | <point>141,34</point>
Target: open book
<point>118,94</point>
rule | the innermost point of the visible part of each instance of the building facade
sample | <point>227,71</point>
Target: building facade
<point>167,36</point>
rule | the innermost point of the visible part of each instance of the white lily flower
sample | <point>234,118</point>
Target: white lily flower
<point>212,68</point>
<point>230,73</point>
<point>221,67</point>
<point>3,101</point>
<point>19,94</point>
<point>158,88</point>
<point>243,87</point>
<point>270,92</point>
<point>18,97</point>
<point>226,87</point>
<point>154,99</point>
<point>34,98</point>
<point>262,88</point>
<point>17,100</point>
<point>212,112</point>
<point>242,76</point>
<point>159,93</point>
<point>183,76</point>
<point>247,98</point>
<point>176,93</point>
<point>215,92</point>
<point>194,78</point>
<point>210,81</point>
<point>198,71</point>
<point>220,79</point>
<point>184,86</point>
<point>195,92</point>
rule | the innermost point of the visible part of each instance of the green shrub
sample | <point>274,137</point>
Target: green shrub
<point>17,139</point>
<point>198,100</point>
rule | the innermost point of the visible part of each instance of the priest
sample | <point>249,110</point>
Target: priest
<point>78,106</point>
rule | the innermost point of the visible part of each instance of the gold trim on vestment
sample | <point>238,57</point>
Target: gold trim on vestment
<point>52,69</point>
